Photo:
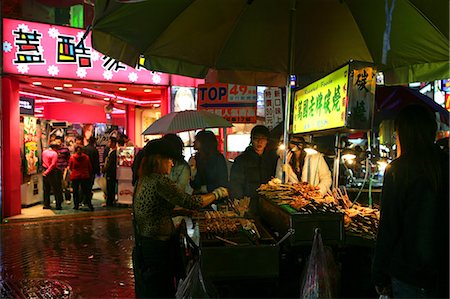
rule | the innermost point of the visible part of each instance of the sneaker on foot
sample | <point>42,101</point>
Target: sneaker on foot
<point>46,208</point>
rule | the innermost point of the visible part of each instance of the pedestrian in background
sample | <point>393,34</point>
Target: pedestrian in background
<point>91,151</point>
<point>208,166</point>
<point>52,176</point>
<point>81,171</point>
<point>110,172</point>
<point>181,172</point>
<point>154,200</point>
<point>63,165</point>
<point>255,166</point>
<point>412,249</point>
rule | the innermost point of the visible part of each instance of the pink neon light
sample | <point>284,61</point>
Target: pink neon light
<point>50,99</point>
<point>118,111</point>
<point>44,59</point>
<point>119,97</point>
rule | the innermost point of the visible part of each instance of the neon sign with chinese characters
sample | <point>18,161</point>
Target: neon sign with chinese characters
<point>37,49</point>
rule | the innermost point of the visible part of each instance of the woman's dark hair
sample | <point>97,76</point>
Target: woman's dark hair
<point>176,143</point>
<point>208,143</point>
<point>150,164</point>
<point>416,129</point>
<point>154,151</point>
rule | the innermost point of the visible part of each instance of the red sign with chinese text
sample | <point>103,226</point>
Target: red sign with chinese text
<point>236,103</point>
<point>46,50</point>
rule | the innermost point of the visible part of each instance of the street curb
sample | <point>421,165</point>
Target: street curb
<point>81,214</point>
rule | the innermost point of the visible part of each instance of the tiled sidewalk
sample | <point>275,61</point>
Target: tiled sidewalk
<point>36,212</point>
<point>88,256</point>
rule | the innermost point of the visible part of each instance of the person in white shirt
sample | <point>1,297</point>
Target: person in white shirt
<point>303,167</point>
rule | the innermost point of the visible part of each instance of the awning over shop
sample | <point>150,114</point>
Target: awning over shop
<point>391,99</point>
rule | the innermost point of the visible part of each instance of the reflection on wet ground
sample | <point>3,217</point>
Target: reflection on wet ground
<point>67,258</point>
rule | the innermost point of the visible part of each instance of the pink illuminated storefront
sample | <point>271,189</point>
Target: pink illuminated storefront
<point>51,76</point>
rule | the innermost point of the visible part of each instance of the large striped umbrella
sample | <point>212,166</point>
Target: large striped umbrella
<point>188,120</point>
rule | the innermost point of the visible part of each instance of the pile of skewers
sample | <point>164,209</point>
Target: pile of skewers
<point>362,221</point>
<point>358,220</point>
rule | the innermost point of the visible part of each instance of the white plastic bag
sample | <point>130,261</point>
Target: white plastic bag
<point>101,182</point>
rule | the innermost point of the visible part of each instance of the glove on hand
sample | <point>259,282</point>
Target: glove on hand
<point>220,192</point>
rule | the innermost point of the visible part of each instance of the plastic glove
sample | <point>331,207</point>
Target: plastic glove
<point>193,165</point>
<point>220,192</point>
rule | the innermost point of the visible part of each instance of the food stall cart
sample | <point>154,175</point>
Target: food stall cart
<point>341,102</point>
<point>235,249</point>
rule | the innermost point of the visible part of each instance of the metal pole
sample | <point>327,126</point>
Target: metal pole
<point>287,108</point>
<point>225,143</point>
<point>337,159</point>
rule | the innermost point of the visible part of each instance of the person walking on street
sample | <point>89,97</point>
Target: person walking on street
<point>93,155</point>
<point>110,171</point>
<point>52,176</point>
<point>411,257</point>
<point>255,166</point>
<point>63,165</point>
<point>81,171</point>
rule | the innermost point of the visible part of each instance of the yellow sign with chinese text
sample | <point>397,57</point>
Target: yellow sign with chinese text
<point>322,104</point>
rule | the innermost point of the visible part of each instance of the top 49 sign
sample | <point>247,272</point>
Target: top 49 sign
<point>236,103</point>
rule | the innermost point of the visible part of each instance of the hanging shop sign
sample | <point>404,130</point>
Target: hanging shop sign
<point>26,105</point>
<point>46,50</point>
<point>236,103</point>
<point>343,99</point>
<point>273,109</point>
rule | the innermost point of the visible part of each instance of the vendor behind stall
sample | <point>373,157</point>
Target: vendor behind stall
<point>300,166</point>
<point>155,198</point>
<point>255,166</point>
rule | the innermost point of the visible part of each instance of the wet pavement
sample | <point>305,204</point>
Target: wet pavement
<point>88,256</point>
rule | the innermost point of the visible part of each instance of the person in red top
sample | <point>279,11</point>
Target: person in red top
<point>52,176</point>
<point>80,172</point>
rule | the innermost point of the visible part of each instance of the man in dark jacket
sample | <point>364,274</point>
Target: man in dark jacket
<point>91,151</point>
<point>110,171</point>
<point>255,166</point>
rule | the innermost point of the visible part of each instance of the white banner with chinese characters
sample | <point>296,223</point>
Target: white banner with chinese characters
<point>236,103</point>
<point>273,107</point>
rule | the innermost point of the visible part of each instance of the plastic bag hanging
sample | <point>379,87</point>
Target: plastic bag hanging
<point>317,282</point>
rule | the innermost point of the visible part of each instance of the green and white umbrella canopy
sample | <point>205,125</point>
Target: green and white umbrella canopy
<point>188,120</point>
<point>248,41</point>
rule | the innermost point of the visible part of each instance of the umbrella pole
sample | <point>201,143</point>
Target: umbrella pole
<point>287,108</point>
<point>225,143</point>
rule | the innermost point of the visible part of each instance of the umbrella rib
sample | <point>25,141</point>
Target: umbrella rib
<point>237,20</point>
<point>428,20</point>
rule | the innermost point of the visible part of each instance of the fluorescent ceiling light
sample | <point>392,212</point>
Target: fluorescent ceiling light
<point>67,85</point>
<point>58,88</point>
<point>37,83</point>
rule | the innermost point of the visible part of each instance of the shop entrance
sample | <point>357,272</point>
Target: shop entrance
<point>67,109</point>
